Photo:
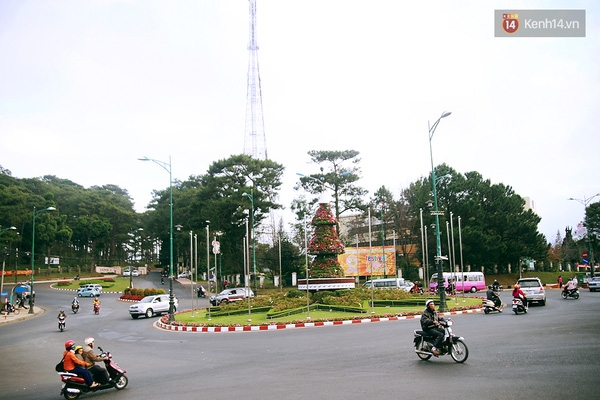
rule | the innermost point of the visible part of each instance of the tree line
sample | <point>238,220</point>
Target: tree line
<point>99,226</point>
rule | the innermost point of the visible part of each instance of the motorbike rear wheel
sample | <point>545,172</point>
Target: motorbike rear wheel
<point>459,351</point>
<point>564,295</point>
<point>424,356</point>
<point>71,396</point>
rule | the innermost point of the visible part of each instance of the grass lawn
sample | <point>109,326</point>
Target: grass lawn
<point>200,316</point>
<point>118,285</point>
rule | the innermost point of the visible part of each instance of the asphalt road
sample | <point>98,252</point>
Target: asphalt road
<point>542,354</point>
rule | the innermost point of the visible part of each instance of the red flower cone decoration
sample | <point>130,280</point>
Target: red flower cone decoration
<point>325,244</point>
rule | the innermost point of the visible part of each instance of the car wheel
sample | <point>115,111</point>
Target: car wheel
<point>543,302</point>
<point>149,313</point>
<point>473,289</point>
<point>134,316</point>
<point>79,294</point>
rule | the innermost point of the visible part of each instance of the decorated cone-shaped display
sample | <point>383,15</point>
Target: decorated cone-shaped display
<point>325,244</point>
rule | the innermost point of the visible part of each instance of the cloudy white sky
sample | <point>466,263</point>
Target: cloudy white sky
<point>87,87</point>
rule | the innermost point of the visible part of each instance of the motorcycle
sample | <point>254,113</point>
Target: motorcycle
<point>489,306</point>
<point>453,345</point>
<point>75,307</point>
<point>96,309</point>
<point>201,291</point>
<point>162,280</point>
<point>62,323</point>
<point>74,385</point>
<point>518,306</point>
<point>574,293</point>
<point>10,308</point>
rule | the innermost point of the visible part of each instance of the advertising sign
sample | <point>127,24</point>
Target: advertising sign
<point>361,263</point>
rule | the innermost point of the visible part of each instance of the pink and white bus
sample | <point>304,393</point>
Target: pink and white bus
<point>465,281</point>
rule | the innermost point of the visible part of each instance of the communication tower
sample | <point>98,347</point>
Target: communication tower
<point>255,142</point>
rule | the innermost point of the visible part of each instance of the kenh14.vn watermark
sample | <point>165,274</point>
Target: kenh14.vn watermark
<point>539,23</point>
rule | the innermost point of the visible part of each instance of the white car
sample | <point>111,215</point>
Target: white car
<point>594,284</point>
<point>183,275</point>
<point>152,305</point>
<point>128,272</point>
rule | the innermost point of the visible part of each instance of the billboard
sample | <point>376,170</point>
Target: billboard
<point>363,260</point>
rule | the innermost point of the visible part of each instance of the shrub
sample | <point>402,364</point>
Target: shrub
<point>63,283</point>
<point>295,293</point>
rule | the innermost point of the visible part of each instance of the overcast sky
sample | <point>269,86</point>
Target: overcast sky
<point>87,87</point>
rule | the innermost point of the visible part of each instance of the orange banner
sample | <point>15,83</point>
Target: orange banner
<point>367,260</point>
<point>18,272</point>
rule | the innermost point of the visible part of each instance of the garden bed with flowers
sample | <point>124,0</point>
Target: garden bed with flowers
<point>341,305</point>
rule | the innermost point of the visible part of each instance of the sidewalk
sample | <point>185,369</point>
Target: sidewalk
<point>23,315</point>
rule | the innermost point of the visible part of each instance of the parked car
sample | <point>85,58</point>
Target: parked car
<point>183,275</point>
<point>152,305</point>
<point>533,289</point>
<point>128,272</point>
<point>89,291</point>
<point>594,283</point>
<point>233,294</point>
<point>389,283</point>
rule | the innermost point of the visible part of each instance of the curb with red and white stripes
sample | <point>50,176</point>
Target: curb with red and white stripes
<point>258,328</point>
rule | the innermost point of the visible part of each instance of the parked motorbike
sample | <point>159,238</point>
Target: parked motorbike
<point>574,293</point>
<point>490,305</point>
<point>75,307</point>
<point>74,385</point>
<point>10,308</point>
<point>96,309</point>
<point>518,306</point>
<point>453,345</point>
<point>62,323</point>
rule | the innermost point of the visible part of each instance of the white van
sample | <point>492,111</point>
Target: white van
<point>390,283</point>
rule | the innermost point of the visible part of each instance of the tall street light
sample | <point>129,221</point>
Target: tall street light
<point>134,236</point>
<point>436,212</point>
<point>35,214</point>
<point>585,201</point>
<point>167,167</point>
<point>251,197</point>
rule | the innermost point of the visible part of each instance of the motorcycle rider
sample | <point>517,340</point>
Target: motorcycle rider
<point>61,316</point>
<point>569,286</point>
<point>491,295</point>
<point>496,286</point>
<point>96,303</point>
<point>75,303</point>
<point>91,358</point>
<point>432,324</point>
<point>519,294</point>
<point>74,365</point>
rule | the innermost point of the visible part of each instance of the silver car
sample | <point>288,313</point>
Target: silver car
<point>533,289</point>
<point>152,305</point>
<point>594,283</point>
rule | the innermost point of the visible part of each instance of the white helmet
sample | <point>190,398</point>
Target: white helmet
<point>88,340</point>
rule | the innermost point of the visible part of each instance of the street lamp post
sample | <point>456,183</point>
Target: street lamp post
<point>35,214</point>
<point>585,201</point>
<point>251,197</point>
<point>438,258</point>
<point>167,167</point>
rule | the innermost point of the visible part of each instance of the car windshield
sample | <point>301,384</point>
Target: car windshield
<point>529,284</point>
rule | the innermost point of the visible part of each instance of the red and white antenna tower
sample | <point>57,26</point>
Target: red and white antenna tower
<point>255,142</point>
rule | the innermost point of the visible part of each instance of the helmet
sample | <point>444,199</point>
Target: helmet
<point>490,287</point>
<point>78,347</point>
<point>69,344</point>
<point>88,340</point>
<point>428,302</point>
<point>517,287</point>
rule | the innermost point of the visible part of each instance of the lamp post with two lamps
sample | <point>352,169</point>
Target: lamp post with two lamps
<point>585,201</point>
<point>251,197</point>
<point>436,212</point>
<point>35,214</point>
<point>167,167</point>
